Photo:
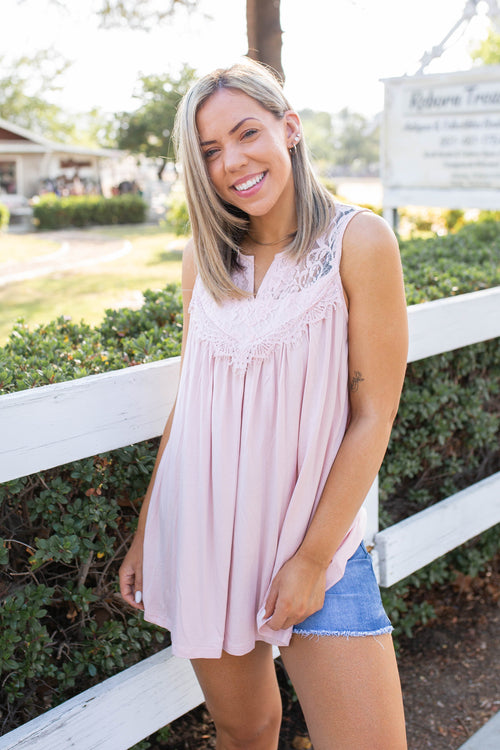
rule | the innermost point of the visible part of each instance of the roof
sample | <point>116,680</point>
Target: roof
<point>28,142</point>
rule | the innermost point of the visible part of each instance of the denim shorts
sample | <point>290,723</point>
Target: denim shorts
<point>353,606</point>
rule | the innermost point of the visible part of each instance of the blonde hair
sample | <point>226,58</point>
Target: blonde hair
<point>217,226</point>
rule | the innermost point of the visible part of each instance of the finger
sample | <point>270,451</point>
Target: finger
<point>280,616</point>
<point>124,578</point>
<point>127,587</point>
<point>271,601</point>
<point>138,588</point>
<point>277,622</point>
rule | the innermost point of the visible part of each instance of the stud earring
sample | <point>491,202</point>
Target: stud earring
<point>293,149</point>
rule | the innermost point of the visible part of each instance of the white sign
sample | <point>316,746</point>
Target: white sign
<point>441,140</point>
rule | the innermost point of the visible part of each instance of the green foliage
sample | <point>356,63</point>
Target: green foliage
<point>454,264</point>
<point>454,219</point>
<point>318,132</point>
<point>62,623</point>
<point>63,350</point>
<point>445,436</point>
<point>144,16</point>
<point>357,141</point>
<point>409,602</point>
<point>159,737</point>
<point>148,130</point>
<point>489,215</point>
<point>51,212</point>
<point>64,532</point>
<point>347,140</point>
<point>25,88</point>
<point>25,91</point>
<point>177,217</point>
<point>4,216</point>
<point>488,51</point>
<point>25,643</point>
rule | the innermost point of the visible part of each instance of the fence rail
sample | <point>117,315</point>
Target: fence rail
<point>51,425</point>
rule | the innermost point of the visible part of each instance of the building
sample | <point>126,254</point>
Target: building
<point>31,164</point>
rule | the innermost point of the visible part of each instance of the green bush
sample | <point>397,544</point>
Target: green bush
<point>445,436</point>
<point>4,216</point>
<point>454,219</point>
<point>407,602</point>
<point>51,212</point>
<point>63,350</point>
<point>177,216</point>
<point>62,623</point>
<point>63,626</point>
<point>454,264</point>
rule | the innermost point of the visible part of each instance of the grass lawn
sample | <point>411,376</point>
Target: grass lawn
<point>15,248</point>
<point>154,261</point>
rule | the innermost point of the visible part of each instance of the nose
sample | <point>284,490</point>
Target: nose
<point>234,157</point>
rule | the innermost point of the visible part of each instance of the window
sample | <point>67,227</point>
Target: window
<point>8,177</point>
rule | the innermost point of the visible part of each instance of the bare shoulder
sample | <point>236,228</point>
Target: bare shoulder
<point>188,266</point>
<point>366,234</point>
<point>369,251</point>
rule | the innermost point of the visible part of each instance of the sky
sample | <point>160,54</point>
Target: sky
<point>334,51</point>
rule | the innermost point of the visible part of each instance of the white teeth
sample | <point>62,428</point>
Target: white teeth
<point>250,183</point>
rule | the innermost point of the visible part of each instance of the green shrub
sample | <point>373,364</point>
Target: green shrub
<point>454,219</point>
<point>177,216</point>
<point>63,350</point>
<point>4,216</point>
<point>62,623</point>
<point>485,215</point>
<point>63,626</point>
<point>445,436</point>
<point>51,212</point>
<point>407,602</point>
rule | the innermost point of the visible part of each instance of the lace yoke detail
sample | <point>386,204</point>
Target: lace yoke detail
<point>292,296</point>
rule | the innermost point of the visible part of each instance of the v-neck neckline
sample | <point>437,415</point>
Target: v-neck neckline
<point>251,262</point>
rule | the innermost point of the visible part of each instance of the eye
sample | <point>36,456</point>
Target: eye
<point>248,133</point>
<point>209,153</point>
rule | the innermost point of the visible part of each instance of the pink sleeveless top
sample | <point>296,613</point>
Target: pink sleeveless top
<point>261,411</point>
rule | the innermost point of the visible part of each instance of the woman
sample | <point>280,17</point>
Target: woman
<point>293,359</point>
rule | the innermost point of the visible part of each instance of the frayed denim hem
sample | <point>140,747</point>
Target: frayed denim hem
<point>343,634</point>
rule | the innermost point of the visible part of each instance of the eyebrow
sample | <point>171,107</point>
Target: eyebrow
<point>233,130</point>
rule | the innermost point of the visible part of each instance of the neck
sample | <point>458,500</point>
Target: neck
<point>287,238</point>
<point>273,230</point>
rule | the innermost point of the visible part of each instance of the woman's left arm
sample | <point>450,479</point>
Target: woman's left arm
<point>378,343</point>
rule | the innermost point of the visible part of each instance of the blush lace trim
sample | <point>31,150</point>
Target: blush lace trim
<point>289,333</point>
<point>293,295</point>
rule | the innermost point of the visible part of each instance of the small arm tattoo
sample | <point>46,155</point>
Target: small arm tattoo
<point>356,379</point>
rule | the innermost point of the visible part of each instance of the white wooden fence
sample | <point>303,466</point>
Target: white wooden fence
<point>51,425</point>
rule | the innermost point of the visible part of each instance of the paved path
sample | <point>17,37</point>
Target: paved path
<point>77,249</point>
<point>488,737</point>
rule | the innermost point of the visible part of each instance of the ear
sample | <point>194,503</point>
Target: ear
<point>293,128</point>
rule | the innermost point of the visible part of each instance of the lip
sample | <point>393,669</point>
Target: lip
<point>251,190</point>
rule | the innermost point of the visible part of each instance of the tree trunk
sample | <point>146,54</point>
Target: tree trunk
<point>264,33</point>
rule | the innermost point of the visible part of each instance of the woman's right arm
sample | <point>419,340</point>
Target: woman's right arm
<point>131,568</point>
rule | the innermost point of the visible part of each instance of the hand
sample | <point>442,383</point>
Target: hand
<point>131,573</point>
<point>297,591</point>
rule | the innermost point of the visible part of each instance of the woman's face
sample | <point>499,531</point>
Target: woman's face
<point>246,151</point>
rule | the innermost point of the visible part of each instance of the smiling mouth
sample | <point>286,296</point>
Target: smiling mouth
<point>249,183</point>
